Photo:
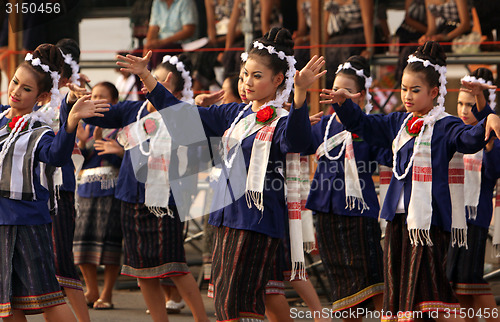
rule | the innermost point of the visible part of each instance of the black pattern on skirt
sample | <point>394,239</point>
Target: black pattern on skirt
<point>352,257</point>
<point>98,232</point>
<point>465,266</point>
<point>63,230</point>
<point>27,273</point>
<point>240,270</point>
<point>415,276</point>
<point>153,247</point>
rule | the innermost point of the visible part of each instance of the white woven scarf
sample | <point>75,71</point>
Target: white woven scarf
<point>353,192</point>
<point>472,185</point>
<point>151,127</point>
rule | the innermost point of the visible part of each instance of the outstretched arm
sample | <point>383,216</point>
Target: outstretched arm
<point>375,129</point>
<point>476,89</point>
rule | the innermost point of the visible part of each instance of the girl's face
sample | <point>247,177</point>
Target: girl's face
<point>416,94</point>
<point>348,83</point>
<point>228,93</point>
<point>241,88</point>
<point>23,91</point>
<point>259,80</point>
<point>161,75</point>
<point>464,107</point>
<point>100,92</point>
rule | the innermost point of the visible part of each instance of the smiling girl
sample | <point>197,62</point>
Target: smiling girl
<point>249,228</point>
<point>28,278</point>
<point>418,203</point>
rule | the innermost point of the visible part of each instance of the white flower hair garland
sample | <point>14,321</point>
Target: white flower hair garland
<point>68,60</point>
<point>281,96</point>
<point>492,95</point>
<point>368,83</point>
<point>187,92</point>
<point>55,97</point>
<point>429,119</point>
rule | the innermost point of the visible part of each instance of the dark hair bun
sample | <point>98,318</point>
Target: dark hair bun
<point>433,52</point>
<point>483,73</point>
<point>279,38</point>
<point>49,55</point>
<point>70,46</point>
<point>360,62</point>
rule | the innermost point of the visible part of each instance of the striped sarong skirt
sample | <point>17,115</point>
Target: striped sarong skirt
<point>98,232</point>
<point>63,230</point>
<point>27,273</point>
<point>153,246</point>
<point>240,271</point>
<point>352,256</point>
<point>465,266</point>
<point>281,269</point>
<point>415,276</point>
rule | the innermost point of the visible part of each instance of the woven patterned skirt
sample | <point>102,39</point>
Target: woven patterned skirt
<point>415,276</point>
<point>465,266</point>
<point>352,256</point>
<point>63,230</point>
<point>281,269</point>
<point>27,273</point>
<point>98,232</point>
<point>240,271</point>
<point>153,246</point>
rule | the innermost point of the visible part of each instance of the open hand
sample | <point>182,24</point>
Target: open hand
<point>315,118</point>
<point>85,108</point>
<point>108,146</point>
<point>476,88</point>
<point>492,124</point>
<point>310,73</point>
<point>83,132</point>
<point>76,92</point>
<point>206,100</point>
<point>331,96</point>
<point>133,64</point>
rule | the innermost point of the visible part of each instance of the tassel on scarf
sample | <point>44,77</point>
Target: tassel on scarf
<point>160,212</point>
<point>255,197</point>
<point>298,271</point>
<point>472,211</point>
<point>459,237</point>
<point>420,237</point>
<point>352,201</point>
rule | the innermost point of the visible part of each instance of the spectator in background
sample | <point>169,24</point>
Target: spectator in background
<point>447,21</point>
<point>172,23</point>
<point>301,37</point>
<point>489,21</point>
<point>217,14</point>
<point>347,22</point>
<point>265,16</point>
<point>413,27</point>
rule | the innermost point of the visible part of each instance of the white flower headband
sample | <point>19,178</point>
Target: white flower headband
<point>55,98</point>
<point>429,118</point>
<point>492,96</point>
<point>282,96</point>
<point>368,83</point>
<point>68,60</point>
<point>187,93</point>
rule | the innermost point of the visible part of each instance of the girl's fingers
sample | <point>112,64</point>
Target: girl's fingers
<point>311,61</point>
<point>326,102</point>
